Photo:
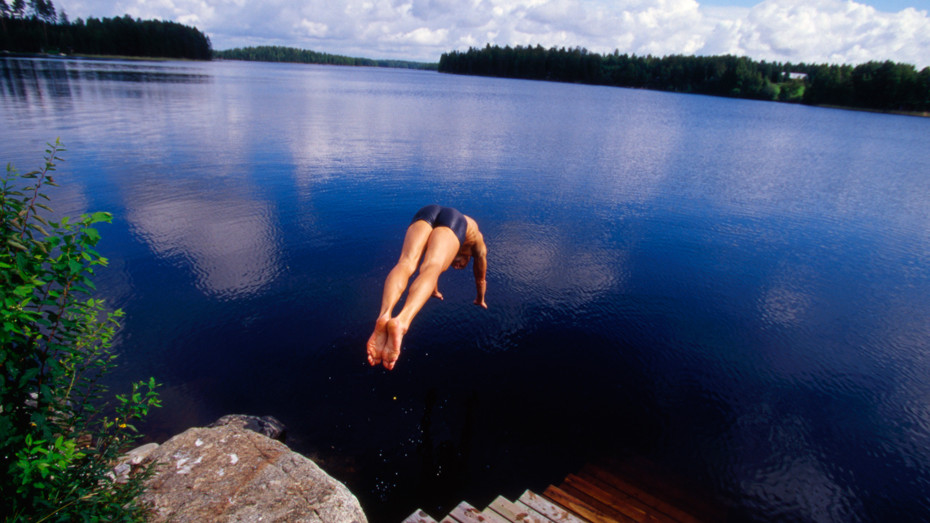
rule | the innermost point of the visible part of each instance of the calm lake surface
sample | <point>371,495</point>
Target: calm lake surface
<point>735,291</point>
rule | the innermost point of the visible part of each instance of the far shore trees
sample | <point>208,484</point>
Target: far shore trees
<point>885,86</point>
<point>37,27</point>
<point>268,53</point>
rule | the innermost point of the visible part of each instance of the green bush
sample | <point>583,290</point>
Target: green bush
<point>59,441</point>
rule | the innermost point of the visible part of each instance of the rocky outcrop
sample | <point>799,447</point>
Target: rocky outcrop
<point>265,425</point>
<point>230,473</point>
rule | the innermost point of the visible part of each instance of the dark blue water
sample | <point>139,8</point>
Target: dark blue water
<point>736,291</point>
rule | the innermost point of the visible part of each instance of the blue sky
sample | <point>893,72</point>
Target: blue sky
<point>813,31</point>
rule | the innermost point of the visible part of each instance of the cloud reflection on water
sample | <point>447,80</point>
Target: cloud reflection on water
<point>230,243</point>
<point>787,297</point>
<point>536,261</point>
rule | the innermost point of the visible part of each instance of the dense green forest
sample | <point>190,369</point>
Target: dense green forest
<point>302,56</point>
<point>36,27</point>
<point>886,86</point>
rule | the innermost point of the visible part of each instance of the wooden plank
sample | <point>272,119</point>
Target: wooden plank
<point>493,517</point>
<point>690,498</point>
<point>548,509</point>
<point>465,513</point>
<point>578,506</point>
<point>419,516</point>
<point>532,512</point>
<point>614,511</point>
<point>516,513</point>
<point>597,496</point>
<point>612,482</point>
<point>616,501</point>
<point>448,519</point>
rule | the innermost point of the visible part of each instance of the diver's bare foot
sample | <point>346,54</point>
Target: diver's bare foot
<point>395,335</point>
<point>377,341</point>
<point>436,293</point>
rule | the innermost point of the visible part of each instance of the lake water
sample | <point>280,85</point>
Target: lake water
<point>735,291</point>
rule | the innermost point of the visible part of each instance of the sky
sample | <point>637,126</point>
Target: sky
<point>811,31</point>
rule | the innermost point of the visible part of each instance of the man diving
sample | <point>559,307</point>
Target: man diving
<point>441,237</point>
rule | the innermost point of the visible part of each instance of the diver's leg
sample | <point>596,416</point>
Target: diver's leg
<point>414,244</point>
<point>441,249</point>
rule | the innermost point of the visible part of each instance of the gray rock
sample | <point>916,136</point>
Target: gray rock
<point>267,425</point>
<point>130,462</point>
<point>229,473</point>
<point>139,455</point>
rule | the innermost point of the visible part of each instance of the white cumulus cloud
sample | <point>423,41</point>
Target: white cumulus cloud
<point>836,31</point>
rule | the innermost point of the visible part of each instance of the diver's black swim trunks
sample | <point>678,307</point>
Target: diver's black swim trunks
<point>438,216</point>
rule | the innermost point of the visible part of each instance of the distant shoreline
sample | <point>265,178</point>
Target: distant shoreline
<point>883,87</point>
<point>282,54</point>
<point>919,114</point>
<point>81,56</point>
<point>78,56</point>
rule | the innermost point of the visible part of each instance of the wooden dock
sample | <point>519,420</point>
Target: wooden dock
<point>620,493</point>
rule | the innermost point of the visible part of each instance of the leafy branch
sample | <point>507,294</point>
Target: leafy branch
<point>57,450</point>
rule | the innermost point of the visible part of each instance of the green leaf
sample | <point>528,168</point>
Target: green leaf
<point>37,227</point>
<point>98,217</point>
<point>16,245</point>
<point>75,267</point>
<point>40,245</point>
<point>92,234</point>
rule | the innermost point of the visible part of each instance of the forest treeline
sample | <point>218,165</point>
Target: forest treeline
<point>886,86</point>
<point>51,32</point>
<point>304,56</point>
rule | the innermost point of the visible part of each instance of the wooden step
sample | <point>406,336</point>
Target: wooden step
<point>628,491</point>
<point>576,502</point>
<point>548,509</point>
<point>620,488</point>
<point>516,512</point>
<point>465,513</point>
<point>419,516</point>
<point>675,493</point>
<point>610,501</point>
